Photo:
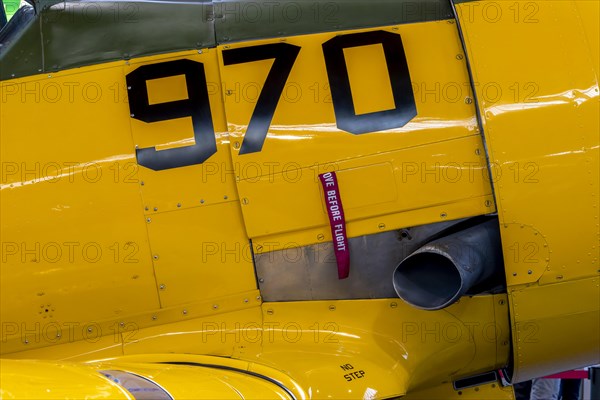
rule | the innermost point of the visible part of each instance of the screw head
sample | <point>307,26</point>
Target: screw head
<point>320,236</point>
<point>468,100</point>
<point>270,311</point>
<point>459,57</point>
<point>162,286</point>
<point>332,308</point>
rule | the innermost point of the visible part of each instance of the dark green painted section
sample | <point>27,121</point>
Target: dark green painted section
<point>21,46</point>
<point>90,32</point>
<point>69,34</point>
<point>463,1</point>
<point>244,20</point>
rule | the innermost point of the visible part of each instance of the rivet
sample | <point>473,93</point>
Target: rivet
<point>468,100</point>
<point>154,318</point>
<point>155,256</point>
<point>488,203</point>
<point>331,308</point>
<point>155,208</point>
<point>530,272</point>
<point>270,311</point>
<point>459,57</point>
<point>89,329</point>
<point>381,226</point>
<point>320,236</point>
<point>393,304</point>
<point>199,51</point>
<point>178,204</point>
<point>146,208</point>
<point>201,201</point>
<point>184,312</point>
<point>26,341</point>
<point>162,286</point>
<point>501,302</point>
<point>514,274</point>
<point>261,280</point>
<point>245,201</point>
<point>257,298</point>
<point>477,151</point>
<point>148,220</point>
<point>225,197</point>
<point>132,115</point>
<point>142,183</point>
<point>245,300</point>
<point>215,306</point>
<point>236,145</point>
<point>58,335</point>
<point>443,215</point>
<point>121,324</point>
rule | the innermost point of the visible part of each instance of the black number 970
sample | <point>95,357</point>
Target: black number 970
<point>197,104</point>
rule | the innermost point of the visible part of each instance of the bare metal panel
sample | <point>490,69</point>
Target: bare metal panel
<point>310,272</point>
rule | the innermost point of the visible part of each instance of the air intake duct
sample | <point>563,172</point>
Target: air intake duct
<point>467,261</point>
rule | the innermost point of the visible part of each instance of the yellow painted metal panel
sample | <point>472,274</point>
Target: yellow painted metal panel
<point>278,185</point>
<point>45,380</point>
<point>211,182</point>
<point>562,317</point>
<point>201,253</point>
<point>74,242</point>
<point>448,173</point>
<point>397,347</point>
<point>541,129</point>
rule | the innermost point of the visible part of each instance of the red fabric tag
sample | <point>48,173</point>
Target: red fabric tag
<point>337,221</point>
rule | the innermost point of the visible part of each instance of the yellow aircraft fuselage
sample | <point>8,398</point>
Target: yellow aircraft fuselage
<point>162,213</point>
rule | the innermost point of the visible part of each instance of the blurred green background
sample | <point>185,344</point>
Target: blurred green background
<point>11,6</point>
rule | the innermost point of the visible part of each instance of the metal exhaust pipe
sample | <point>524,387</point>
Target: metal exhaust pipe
<point>439,273</point>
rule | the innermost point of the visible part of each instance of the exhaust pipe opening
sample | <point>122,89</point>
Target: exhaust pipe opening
<point>428,280</point>
<point>468,261</point>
